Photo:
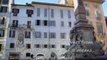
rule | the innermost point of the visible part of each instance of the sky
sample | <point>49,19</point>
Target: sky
<point>56,1</point>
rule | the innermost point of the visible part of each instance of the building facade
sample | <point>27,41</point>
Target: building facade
<point>5,7</point>
<point>95,16</point>
<point>39,30</point>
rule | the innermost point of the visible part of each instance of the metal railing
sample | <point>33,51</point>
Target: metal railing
<point>20,26</point>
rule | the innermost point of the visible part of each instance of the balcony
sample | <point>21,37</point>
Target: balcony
<point>97,1</point>
<point>20,26</point>
<point>12,26</point>
<point>25,26</point>
<point>3,14</point>
<point>1,38</point>
<point>11,50</point>
<point>3,26</point>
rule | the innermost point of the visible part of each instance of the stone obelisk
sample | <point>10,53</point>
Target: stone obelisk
<point>83,42</point>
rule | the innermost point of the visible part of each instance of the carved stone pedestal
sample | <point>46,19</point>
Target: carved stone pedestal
<point>83,42</point>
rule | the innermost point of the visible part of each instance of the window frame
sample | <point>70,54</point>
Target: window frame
<point>63,35</point>
<point>12,33</point>
<point>3,9</point>
<point>28,46</point>
<point>52,13</point>
<point>38,12</point>
<point>38,34</point>
<point>38,22</point>
<point>28,55</point>
<point>12,45</point>
<point>52,35</point>
<point>27,34</point>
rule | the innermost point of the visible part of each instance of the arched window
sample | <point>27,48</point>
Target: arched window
<point>40,56</point>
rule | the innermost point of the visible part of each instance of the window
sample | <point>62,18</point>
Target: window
<point>37,34</point>
<point>37,46</point>
<point>63,46</point>
<point>52,46</point>
<point>51,23</point>
<point>15,11</point>
<point>3,9</point>
<point>61,13</point>
<point>45,34</point>
<point>99,28</point>
<point>45,22</point>
<point>63,35</point>
<point>27,34</point>
<point>0,1</point>
<point>29,12</point>
<point>11,45</point>
<point>28,24</point>
<point>52,35</point>
<point>5,1</point>
<point>45,46</point>
<point>38,22</point>
<point>38,12</point>
<point>2,33</point>
<point>98,15</point>
<point>69,14</point>
<point>62,24</point>
<point>96,5</point>
<point>2,20</point>
<point>28,46</point>
<point>27,54</point>
<point>12,33</point>
<point>45,12</point>
<point>70,24</point>
<point>52,13</point>
<point>0,47</point>
<point>86,4</point>
<point>15,23</point>
<point>87,12</point>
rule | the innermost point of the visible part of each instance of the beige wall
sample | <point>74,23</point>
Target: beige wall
<point>92,17</point>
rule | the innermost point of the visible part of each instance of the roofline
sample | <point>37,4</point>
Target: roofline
<point>51,4</point>
<point>42,3</point>
<point>22,5</point>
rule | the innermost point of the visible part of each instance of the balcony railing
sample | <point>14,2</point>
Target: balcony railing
<point>3,14</point>
<point>2,25</point>
<point>1,38</point>
<point>19,26</point>
<point>11,50</point>
<point>24,26</point>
